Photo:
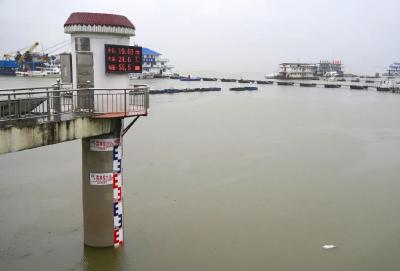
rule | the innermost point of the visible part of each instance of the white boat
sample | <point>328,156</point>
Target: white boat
<point>21,73</point>
<point>52,71</point>
<point>386,85</point>
<point>143,75</point>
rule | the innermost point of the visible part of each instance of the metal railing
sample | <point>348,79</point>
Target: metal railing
<point>52,103</point>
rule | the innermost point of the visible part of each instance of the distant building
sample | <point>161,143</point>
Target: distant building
<point>394,69</point>
<point>330,67</point>
<point>153,64</point>
<point>297,71</point>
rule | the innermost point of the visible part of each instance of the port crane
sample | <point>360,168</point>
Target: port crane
<point>17,55</point>
<point>27,56</point>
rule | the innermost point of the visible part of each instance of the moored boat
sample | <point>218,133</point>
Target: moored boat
<point>190,78</point>
<point>357,87</point>
<point>228,80</point>
<point>53,71</point>
<point>8,67</point>
<point>282,83</point>
<point>308,84</point>
<point>209,79</point>
<point>385,85</point>
<point>332,86</point>
<point>243,88</point>
<point>265,82</point>
<point>245,81</point>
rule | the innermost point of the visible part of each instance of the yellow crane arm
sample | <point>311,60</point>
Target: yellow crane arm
<point>33,47</point>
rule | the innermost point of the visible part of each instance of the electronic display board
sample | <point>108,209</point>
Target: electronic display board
<point>123,59</point>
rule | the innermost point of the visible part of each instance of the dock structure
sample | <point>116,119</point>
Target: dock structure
<point>92,109</point>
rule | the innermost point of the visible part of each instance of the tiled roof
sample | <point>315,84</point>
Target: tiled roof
<point>88,18</point>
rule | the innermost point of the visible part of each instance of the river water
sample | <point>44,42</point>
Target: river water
<point>223,181</point>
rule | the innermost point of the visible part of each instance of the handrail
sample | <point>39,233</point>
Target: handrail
<point>32,88</point>
<point>52,103</point>
<point>70,90</point>
<point>52,89</point>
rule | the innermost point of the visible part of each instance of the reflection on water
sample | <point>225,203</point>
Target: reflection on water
<point>102,259</point>
<point>224,181</point>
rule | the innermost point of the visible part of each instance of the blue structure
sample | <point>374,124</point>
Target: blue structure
<point>394,69</point>
<point>8,67</point>
<point>149,56</point>
<point>153,65</point>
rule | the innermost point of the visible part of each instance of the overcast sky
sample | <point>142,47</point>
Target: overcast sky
<point>228,35</point>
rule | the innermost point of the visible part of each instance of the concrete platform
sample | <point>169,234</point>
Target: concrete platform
<point>24,135</point>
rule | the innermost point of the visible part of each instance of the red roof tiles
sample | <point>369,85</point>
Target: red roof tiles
<point>88,18</point>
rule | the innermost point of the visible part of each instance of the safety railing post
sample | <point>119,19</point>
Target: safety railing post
<point>9,106</point>
<point>125,101</point>
<point>48,103</point>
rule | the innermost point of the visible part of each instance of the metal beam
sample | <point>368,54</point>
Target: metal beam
<point>129,126</point>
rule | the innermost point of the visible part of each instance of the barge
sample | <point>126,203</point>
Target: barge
<point>308,84</point>
<point>280,83</point>
<point>243,88</point>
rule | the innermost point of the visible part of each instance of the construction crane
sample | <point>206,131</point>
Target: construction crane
<point>27,56</point>
<point>7,56</point>
<point>33,47</point>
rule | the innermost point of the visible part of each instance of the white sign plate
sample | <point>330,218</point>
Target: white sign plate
<point>105,144</point>
<point>101,178</point>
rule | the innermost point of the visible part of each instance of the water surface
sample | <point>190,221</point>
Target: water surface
<point>223,181</point>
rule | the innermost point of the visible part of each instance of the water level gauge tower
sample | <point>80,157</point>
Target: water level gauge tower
<point>101,58</point>
<point>93,110</point>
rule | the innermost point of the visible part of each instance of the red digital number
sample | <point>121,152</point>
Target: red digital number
<point>121,59</point>
<point>121,51</point>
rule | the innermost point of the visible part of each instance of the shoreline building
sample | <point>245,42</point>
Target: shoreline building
<point>394,69</point>
<point>334,67</point>
<point>297,71</point>
<point>307,71</point>
<point>154,65</point>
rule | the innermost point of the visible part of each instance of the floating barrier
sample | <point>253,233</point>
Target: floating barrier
<point>209,79</point>
<point>243,88</point>
<point>285,83</point>
<point>358,87</point>
<point>308,84</point>
<point>265,82</point>
<point>245,81</point>
<point>332,86</point>
<point>228,80</point>
<point>185,90</point>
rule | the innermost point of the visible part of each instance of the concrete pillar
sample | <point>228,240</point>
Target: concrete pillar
<point>102,188</point>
